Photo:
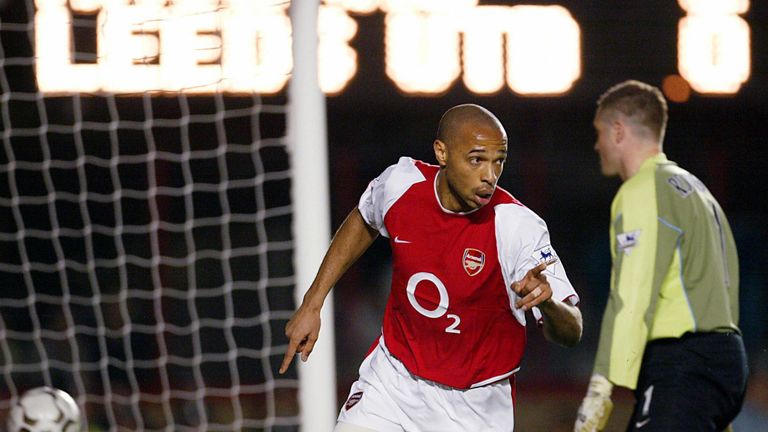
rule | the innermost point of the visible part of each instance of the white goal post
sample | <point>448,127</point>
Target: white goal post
<point>307,139</point>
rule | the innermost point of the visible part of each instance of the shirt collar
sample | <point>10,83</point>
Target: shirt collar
<point>653,161</point>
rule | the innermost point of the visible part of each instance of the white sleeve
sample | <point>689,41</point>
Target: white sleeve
<point>385,190</point>
<point>523,242</point>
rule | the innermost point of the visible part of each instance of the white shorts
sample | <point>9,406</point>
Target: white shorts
<point>387,398</point>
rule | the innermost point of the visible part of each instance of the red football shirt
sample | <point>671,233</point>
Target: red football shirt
<point>450,317</point>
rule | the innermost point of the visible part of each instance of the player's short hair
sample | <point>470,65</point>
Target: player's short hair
<point>453,120</point>
<point>642,103</point>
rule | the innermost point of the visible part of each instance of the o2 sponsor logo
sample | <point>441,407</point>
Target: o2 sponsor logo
<point>443,302</point>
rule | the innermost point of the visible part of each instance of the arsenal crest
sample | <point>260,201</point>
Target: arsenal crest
<point>473,261</point>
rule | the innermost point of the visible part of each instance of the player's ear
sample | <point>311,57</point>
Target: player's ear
<point>441,152</point>
<point>618,131</point>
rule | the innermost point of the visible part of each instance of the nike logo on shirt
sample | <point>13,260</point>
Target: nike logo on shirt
<point>397,240</point>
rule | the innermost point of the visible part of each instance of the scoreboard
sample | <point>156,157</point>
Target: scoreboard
<point>244,46</point>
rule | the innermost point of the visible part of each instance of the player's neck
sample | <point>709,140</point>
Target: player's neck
<point>634,159</point>
<point>447,197</point>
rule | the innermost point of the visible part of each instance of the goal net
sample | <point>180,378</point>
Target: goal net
<point>145,236</point>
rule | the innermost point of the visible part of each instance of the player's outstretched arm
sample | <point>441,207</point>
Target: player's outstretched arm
<point>562,322</point>
<point>350,241</point>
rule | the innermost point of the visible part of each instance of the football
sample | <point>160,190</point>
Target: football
<point>44,409</point>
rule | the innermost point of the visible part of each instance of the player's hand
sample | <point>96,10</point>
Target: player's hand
<point>596,407</point>
<point>533,289</point>
<point>302,330</point>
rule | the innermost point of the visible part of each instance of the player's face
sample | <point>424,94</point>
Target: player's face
<point>610,162</point>
<point>473,166</point>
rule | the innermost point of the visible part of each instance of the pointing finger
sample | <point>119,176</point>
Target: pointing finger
<point>540,268</point>
<point>288,356</point>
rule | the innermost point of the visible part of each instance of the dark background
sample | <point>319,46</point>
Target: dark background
<point>553,169</point>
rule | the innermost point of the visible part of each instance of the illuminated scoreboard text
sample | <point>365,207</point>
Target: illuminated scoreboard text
<point>244,46</point>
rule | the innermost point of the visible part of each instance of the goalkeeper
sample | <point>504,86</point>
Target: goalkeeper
<point>670,325</point>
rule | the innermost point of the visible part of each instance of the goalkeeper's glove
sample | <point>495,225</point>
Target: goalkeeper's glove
<point>597,406</point>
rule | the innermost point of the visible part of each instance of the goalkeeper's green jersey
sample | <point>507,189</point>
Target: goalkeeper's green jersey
<point>675,267</point>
